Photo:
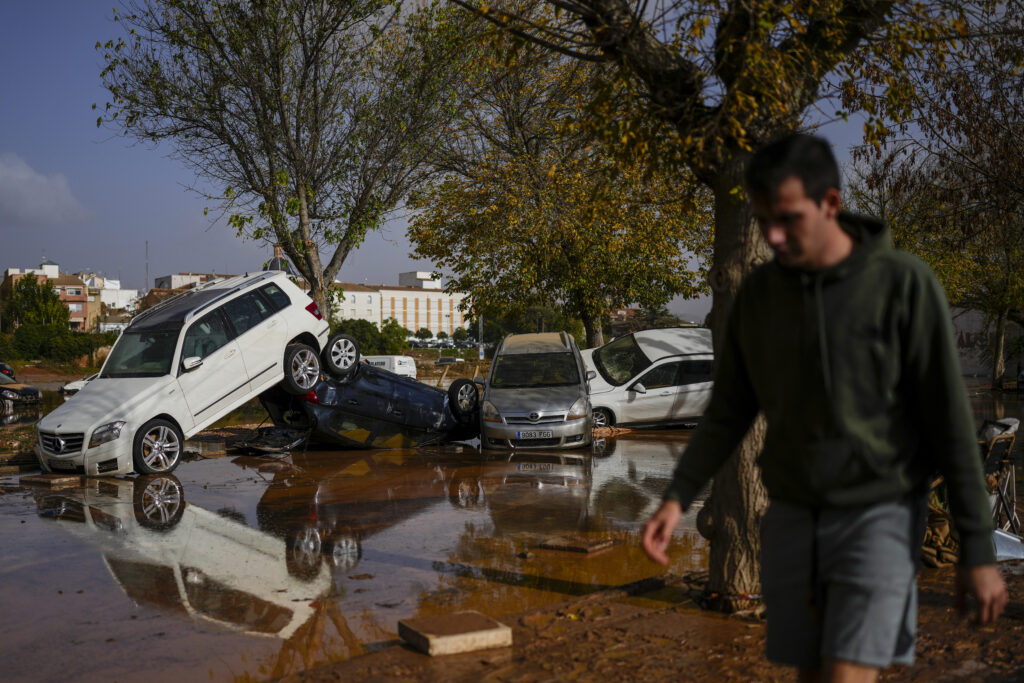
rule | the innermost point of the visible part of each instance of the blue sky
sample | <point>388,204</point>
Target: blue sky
<point>90,200</point>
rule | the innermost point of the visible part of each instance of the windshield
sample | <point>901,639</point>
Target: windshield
<point>620,360</point>
<point>143,353</point>
<point>535,370</point>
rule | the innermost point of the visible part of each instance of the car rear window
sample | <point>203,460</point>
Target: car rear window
<point>276,295</point>
<point>247,311</point>
<point>620,359</point>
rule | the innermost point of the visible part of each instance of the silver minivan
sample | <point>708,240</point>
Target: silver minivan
<point>536,394</point>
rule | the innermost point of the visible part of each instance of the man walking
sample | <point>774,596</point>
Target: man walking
<point>846,345</point>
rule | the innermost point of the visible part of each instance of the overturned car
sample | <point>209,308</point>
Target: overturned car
<point>357,405</point>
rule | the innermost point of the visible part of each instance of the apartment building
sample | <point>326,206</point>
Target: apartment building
<point>416,302</point>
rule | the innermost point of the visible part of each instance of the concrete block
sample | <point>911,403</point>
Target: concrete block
<point>448,634</point>
<point>51,480</point>
<point>577,544</point>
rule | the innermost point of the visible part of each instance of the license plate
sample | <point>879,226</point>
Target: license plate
<point>537,434</point>
<point>534,466</point>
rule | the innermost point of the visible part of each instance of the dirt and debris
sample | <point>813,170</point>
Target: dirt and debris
<point>655,630</point>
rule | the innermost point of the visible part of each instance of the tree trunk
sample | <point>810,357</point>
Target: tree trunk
<point>595,335</point>
<point>999,351</point>
<point>738,498</point>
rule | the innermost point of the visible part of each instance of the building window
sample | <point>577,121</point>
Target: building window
<point>75,308</point>
<point>74,291</point>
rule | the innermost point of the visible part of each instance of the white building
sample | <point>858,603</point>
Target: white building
<point>420,304</point>
<point>110,292</point>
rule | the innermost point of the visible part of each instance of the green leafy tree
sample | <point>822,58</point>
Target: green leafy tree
<point>312,119</point>
<point>442,335</point>
<point>702,84</point>
<point>364,332</point>
<point>34,303</point>
<point>952,186</point>
<point>460,334</point>
<point>393,338</point>
<point>531,210</point>
<point>423,334</point>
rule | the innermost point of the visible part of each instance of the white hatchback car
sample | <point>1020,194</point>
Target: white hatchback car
<point>183,364</point>
<point>652,377</point>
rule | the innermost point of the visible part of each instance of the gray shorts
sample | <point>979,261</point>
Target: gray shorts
<point>841,584</point>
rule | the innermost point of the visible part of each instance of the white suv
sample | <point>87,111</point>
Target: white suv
<point>180,366</point>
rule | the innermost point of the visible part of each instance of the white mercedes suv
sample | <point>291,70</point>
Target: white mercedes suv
<point>180,366</point>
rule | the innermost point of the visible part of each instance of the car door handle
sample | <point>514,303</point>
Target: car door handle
<point>352,402</point>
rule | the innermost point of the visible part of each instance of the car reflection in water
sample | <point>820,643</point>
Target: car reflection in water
<point>184,560</point>
<point>328,503</point>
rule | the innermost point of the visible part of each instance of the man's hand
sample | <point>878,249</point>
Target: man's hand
<point>659,528</point>
<point>986,584</point>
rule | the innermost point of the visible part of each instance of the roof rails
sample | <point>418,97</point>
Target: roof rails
<point>262,275</point>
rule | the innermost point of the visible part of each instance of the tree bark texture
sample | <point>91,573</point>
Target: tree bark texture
<point>999,350</point>
<point>738,497</point>
<point>595,333</point>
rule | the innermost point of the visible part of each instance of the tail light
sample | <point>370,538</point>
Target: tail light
<point>315,310</point>
<point>311,397</point>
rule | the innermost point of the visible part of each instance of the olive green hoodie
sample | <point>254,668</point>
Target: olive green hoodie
<point>856,371</point>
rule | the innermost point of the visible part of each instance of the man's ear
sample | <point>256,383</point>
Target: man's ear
<point>832,203</point>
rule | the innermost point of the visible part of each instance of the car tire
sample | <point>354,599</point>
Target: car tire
<point>158,501</point>
<point>341,355</point>
<point>344,552</point>
<point>301,369</point>
<point>603,418</point>
<point>157,447</point>
<point>464,398</point>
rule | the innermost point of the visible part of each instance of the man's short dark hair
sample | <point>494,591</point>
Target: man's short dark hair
<point>807,157</point>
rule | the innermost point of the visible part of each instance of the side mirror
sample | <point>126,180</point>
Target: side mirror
<point>191,363</point>
<point>480,380</point>
<point>638,388</point>
<point>591,374</point>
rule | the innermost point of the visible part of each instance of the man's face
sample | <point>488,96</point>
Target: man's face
<point>797,228</point>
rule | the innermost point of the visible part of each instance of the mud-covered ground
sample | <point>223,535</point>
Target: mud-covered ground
<point>654,630</point>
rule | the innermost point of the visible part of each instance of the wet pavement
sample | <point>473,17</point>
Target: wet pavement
<point>240,567</point>
<point>243,567</point>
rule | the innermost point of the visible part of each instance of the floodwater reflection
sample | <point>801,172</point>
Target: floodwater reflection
<point>325,551</point>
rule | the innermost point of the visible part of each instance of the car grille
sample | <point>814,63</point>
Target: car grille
<point>543,419</point>
<point>61,444</point>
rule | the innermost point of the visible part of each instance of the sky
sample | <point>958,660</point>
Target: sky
<point>91,200</point>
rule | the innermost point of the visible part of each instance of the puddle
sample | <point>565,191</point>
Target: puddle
<point>232,569</point>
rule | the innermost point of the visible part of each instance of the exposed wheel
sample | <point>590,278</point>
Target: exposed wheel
<point>157,447</point>
<point>603,447</point>
<point>464,398</point>
<point>464,494</point>
<point>603,418</point>
<point>341,355</point>
<point>159,501</point>
<point>301,369</point>
<point>303,554</point>
<point>345,553</point>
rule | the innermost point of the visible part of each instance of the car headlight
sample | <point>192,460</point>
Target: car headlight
<point>105,433</point>
<point>490,413</point>
<point>8,394</point>
<point>579,409</point>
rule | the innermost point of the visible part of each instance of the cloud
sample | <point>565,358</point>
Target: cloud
<point>31,199</point>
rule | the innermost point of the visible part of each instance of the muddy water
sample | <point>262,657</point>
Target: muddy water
<point>251,567</point>
<point>245,568</point>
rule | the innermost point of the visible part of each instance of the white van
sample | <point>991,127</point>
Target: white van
<point>400,365</point>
